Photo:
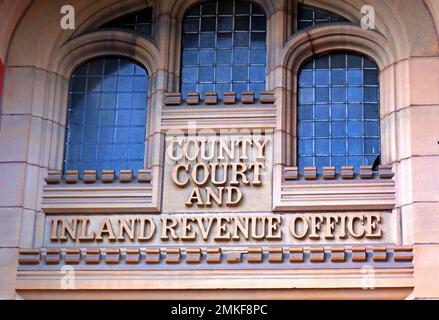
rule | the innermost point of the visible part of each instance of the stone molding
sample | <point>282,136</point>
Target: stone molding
<point>346,190</point>
<point>56,177</point>
<point>191,257</point>
<point>104,43</point>
<point>211,98</point>
<point>86,192</point>
<point>179,114</point>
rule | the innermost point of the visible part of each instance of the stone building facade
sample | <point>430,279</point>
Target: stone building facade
<point>324,131</point>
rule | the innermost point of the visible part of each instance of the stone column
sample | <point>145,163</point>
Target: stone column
<point>32,123</point>
<point>416,119</point>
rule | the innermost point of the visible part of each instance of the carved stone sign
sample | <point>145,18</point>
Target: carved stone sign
<point>225,229</point>
<point>217,191</point>
<point>212,173</point>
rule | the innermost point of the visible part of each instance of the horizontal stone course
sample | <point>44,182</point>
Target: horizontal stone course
<point>384,172</point>
<point>353,256</point>
<point>55,177</point>
<point>211,98</point>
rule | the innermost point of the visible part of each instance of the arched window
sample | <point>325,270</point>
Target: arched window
<point>139,21</point>
<point>338,112</point>
<point>310,17</point>
<point>106,123</point>
<point>223,48</point>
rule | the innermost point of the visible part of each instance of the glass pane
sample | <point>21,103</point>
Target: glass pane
<point>305,112</point>
<point>207,57</point>
<point>306,78</point>
<point>306,147</point>
<point>225,40</point>
<point>322,95</point>
<point>257,57</point>
<point>355,77</point>
<point>306,96</point>
<point>322,112</point>
<point>355,61</point>
<point>207,40</point>
<point>225,24</point>
<point>338,61</point>
<point>338,129</point>
<point>322,129</point>
<point>322,78</point>
<point>339,146</point>
<point>208,24</point>
<point>241,39</point>
<point>206,74</point>
<point>224,57</point>
<point>224,74</point>
<point>242,23</point>
<point>191,25</point>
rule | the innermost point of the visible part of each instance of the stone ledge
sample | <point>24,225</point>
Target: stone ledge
<point>328,190</point>
<point>211,98</point>
<point>301,257</point>
<point>125,176</point>
<point>328,173</point>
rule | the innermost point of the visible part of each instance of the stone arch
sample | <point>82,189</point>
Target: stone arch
<point>101,43</point>
<point>394,22</point>
<point>335,37</point>
<point>93,18</point>
<point>179,8</point>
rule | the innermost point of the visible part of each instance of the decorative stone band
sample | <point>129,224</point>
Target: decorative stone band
<point>211,98</point>
<point>346,173</point>
<point>91,176</point>
<point>294,257</point>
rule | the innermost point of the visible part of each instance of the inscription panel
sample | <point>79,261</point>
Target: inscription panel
<point>221,229</point>
<point>217,173</point>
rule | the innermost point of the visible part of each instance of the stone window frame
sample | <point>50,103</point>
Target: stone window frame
<point>320,40</point>
<point>107,43</point>
<point>300,47</point>
<point>115,11</point>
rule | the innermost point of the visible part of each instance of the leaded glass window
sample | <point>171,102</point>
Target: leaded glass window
<point>224,48</point>
<point>107,110</point>
<point>338,112</point>
<point>139,21</point>
<point>310,17</point>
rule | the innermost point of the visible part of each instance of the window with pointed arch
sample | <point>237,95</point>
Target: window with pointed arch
<point>106,117</point>
<point>338,121</point>
<point>224,48</point>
